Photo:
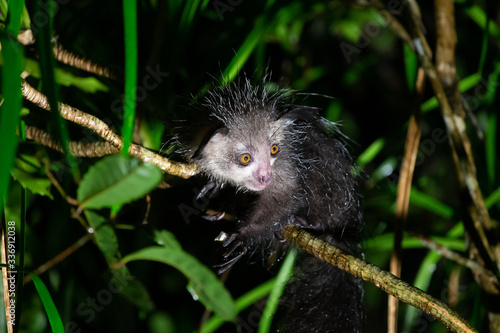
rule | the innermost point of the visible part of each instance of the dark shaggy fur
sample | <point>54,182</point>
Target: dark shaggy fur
<point>312,185</point>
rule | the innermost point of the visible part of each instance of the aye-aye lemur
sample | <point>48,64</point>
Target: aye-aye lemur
<point>296,164</point>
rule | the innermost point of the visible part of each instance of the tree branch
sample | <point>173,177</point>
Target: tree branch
<point>86,65</point>
<point>79,149</point>
<point>66,57</point>
<point>103,130</point>
<point>380,278</point>
<point>477,213</point>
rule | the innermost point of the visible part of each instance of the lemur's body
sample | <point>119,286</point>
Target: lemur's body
<point>301,173</point>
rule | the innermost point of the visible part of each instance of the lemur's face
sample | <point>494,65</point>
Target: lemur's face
<point>245,156</point>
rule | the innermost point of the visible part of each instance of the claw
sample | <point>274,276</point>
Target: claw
<point>215,186</point>
<point>229,240</point>
<point>215,217</point>
<point>221,268</point>
<point>237,249</point>
<point>236,245</point>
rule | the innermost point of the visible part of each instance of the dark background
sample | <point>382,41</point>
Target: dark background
<point>303,48</point>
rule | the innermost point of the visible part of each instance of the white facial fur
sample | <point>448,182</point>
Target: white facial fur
<point>244,158</point>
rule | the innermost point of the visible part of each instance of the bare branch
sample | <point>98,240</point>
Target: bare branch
<point>89,66</point>
<point>55,183</point>
<point>26,38</point>
<point>380,278</point>
<point>79,149</point>
<point>392,22</point>
<point>58,258</point>
<point>449,254</point>
<point>476,218</point>
<point>103,130</point>
<point>403,194</point>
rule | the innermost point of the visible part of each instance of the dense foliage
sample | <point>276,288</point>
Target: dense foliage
<point>90,227</point>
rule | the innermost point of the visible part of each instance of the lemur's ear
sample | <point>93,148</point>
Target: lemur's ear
<point>301,113</point>
<point>216,136</point>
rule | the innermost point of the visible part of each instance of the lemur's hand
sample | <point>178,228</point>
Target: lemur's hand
<point>236,249</point>
<point>213,186</point>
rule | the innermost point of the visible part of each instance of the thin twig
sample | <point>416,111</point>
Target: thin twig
<point>392,22</point>
<point>453,256</point>
<point>148,208</point>
<point>53,181</point>
<point>403,194</point>
<point>76,213</point>
<point>58,258</point>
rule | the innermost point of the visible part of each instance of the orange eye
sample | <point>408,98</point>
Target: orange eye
<point>274,149</point>
<point>245,159</point>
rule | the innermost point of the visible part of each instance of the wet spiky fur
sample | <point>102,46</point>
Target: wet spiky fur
<point>311,185</point>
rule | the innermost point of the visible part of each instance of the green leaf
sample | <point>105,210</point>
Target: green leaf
<point>422,281</point>
<point>246,49</point>
<point>411,65</point>
<point>420,199</point>
<point>87,84</point>
<point>167,239</point>
<point>131,54</point>
<point>493,198</point>
<point>50,308</point>
<point>151,132</point>
<point>161,322</point>
<point>67,79</point>
<point>203,284</point>
<point>272,304</point>
<point>107,241</point>
<point>465,84</point>
<point>36,185</point>
<point>371,152</point>
<point>479,16</point>
<point>385,242</point>
<point>14,11</point>
<point>242,303</point>
<point>116,180</point>
<point>104,236</point>
<point>188,15</point>
<point>133,289</point>
<point>29,172</point>
<point>43,35</point>
<point>13,53</point>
